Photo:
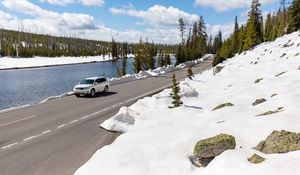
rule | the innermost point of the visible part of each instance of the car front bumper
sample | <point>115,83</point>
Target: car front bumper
<point>84,91</point>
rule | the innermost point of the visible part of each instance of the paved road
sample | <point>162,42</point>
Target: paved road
<point>57,137</point>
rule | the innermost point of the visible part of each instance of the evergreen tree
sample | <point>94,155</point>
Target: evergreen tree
<point>202,28</point>
<point>114,49</point>
<point>258,19</point>
<point>268,28</point>
<point>217,42</point>
<point>275,22</point>
<point>138,57</point>
<point>151,50</point>
<point>175,93</point>
<point>254,34</point>
<point>180,54</point>
<point>242,36</point>
<point>181,29</point>
<point>190,73</point>
<point>160,59</point>
<point>167,59</point>
<point>294,16</point>
<point>281,15</point>
<point>124,65</point>
<point>251,38</point>
<point>236,36</point>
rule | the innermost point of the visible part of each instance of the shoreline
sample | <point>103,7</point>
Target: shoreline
<point>53,65</point>
<point>9,63</point>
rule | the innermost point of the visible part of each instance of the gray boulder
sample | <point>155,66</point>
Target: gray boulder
<point>206,150</point>
<point>255,159</point>
<point>280,142</point>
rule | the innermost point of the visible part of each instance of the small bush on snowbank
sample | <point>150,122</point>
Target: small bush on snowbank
<point>175,93</point>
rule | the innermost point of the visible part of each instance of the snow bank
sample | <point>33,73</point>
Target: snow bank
<point>186,90</point>
<point>158,71</point>
<point>14,63</point>
<point>58,96</point>
<point>121,121</point>
<point>161,139</point>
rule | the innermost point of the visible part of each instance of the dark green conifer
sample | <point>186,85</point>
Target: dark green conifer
<point>175,93</point>
<point>268,28</point>
<point>294,16</point>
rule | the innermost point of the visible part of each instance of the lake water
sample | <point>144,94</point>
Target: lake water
<point>20,87</point>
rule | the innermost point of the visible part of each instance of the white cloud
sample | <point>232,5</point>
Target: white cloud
<point>98,3</point>
<point>99,32</point>
<point>226,29</point>
<point>157,15</point>
<point>64,21</point>
<point>59,2</point>
<point>221,5</point>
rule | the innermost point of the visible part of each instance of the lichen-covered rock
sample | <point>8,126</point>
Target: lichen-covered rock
<point>223,106</point>
<point>258,80</point>
<point>280,142</point>
<point>206,150</point>
<point>259,101</point>
<point>218,69</point>
<point>255,159</point>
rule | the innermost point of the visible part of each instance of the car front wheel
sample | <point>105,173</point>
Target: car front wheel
<point>92,93</point>
<point>105,89</point>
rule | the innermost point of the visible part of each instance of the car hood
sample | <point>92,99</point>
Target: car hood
<point>83,85</point>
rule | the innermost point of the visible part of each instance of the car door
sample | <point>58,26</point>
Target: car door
<point>98,85</point>
<point>102,84</point>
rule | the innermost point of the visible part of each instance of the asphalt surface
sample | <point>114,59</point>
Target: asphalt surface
<point>57,137</point>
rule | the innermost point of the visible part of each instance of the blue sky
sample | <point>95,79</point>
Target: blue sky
<point>125,20</point>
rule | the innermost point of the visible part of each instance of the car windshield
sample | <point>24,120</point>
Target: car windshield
<point>87,82</point>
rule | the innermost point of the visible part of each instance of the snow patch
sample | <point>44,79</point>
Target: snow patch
<point>121,121</point>
<point>58,96</point>
<point>187,91</point>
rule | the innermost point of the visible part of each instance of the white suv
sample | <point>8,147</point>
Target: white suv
<point>90,86</point>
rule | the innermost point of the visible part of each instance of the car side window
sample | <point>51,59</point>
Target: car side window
<point>101,80</point>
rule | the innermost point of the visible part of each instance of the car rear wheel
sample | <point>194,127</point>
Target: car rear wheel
<point>105,89</point>
<point>92,93</point>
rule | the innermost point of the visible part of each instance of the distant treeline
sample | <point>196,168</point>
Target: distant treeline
<point>23,44</point>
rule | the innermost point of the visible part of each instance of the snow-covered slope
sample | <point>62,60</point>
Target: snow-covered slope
<point>160,139</point>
